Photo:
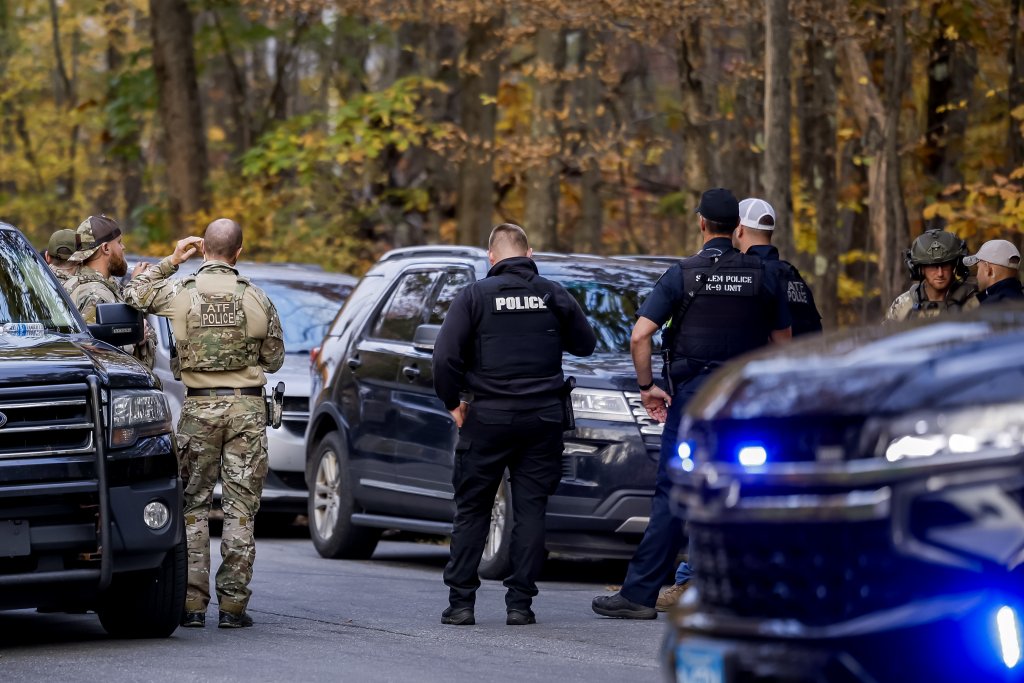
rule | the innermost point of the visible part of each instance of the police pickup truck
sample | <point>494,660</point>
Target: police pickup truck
<point>90,501</point>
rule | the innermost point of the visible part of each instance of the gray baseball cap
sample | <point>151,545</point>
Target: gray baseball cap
<point>997,252</point>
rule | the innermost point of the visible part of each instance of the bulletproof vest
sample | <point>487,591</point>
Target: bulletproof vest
<point>216,337</point>
<point>85,276</point>
<point>802,309</point>
<point>922,307</point>
<point>517,335</point>
<point>728,317</point>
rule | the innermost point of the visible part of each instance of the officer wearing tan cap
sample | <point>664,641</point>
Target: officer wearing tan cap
<point>58,250</point>
<point>998,262</point>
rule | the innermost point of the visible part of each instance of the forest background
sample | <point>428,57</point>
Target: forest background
<point>334,130</point>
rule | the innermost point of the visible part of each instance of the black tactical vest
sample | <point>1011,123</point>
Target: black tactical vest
<point>802,309</point>
<point>732,315</point>
<point>517,336</point>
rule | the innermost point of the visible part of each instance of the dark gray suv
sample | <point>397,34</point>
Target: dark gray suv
<point>380,445</point>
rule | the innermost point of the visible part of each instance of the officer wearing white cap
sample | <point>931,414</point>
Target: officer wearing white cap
<point>998,263</point>
<point>754,236</point>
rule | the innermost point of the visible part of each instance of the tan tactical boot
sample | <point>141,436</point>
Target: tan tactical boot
<point>670,596</point>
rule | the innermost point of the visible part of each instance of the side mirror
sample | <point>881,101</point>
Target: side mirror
<point>118,325</point>
<point>424,337</point>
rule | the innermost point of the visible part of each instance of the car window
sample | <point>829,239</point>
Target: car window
<point>28,293</point>
<point>403,312</point>
<point>306,308</point>
<point>611,308</point>
<point>452,284</point>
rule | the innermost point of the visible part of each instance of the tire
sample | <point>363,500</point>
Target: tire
<point>496,563</point>
<point>331,505</point>
<point>146,604</point>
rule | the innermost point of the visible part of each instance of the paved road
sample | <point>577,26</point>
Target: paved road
<point>379,620</point>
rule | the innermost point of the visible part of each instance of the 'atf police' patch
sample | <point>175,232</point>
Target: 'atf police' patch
<point>517,304</point>
<point>796,292</point>
<point>217,315</point>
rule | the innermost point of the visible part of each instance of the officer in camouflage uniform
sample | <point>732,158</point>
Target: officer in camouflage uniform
<point>935,260</point>
<point>58,250</point>
<point>100,261</point>
<point>227,335</point>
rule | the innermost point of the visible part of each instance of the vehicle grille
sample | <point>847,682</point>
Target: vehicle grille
<point>794,439</point>
<point>650,428</point>
<point>295,415</point>
<point>42,421</point>
<point>814,573</point>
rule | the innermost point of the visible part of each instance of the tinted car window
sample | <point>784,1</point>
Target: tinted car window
<point>611,310</point>
<point>306,309</point>
<point>28,294</point>
<point>403,312</point>
<point>453,283</point>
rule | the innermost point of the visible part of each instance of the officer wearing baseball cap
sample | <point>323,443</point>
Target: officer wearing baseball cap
<point>754,236</point>
<point>721,304</point>
<point>58,250</point>
<point>998,263</point>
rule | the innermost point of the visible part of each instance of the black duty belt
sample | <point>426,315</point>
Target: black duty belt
<point>225,391</point>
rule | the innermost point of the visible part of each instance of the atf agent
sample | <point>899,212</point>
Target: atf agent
<point>227,335</point>
<point>502,342</point>
<point>721,304</point>
<point>58,250</point>
<point>754,236</point>
<point>935,261</point>
<point>99,257</point>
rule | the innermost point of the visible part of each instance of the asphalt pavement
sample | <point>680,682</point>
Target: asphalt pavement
<point>336,620</point>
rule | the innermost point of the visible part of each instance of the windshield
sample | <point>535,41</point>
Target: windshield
<point>611,308</point>
<point>28,294</point>
<point>306,309</point>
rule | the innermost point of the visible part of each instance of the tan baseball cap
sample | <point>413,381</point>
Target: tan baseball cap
<point>997,252</point>
<point>94,231</point>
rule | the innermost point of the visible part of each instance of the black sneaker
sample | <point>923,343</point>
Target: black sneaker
<point>520,617</point>
<point>620,607</point>
<point>229,620</point>
<point>193,620</point>
<point>462,616</point>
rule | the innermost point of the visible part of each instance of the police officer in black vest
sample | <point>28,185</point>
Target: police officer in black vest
<point>721,304</point>
<point>501,344</point>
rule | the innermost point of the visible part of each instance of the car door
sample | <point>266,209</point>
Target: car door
<point>375,364</point>
<point>424,429</point>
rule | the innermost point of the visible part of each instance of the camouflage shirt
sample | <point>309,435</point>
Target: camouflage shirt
<point>61,274</point>
<point>154,292</point>
<point>912,304</point>
<point>88,289</point>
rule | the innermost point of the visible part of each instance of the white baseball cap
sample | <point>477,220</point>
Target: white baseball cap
<point>757,214</point>
<point>997,252</point>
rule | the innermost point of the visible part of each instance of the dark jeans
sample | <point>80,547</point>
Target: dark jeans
<point>655,557</point>
<point>529,445</point>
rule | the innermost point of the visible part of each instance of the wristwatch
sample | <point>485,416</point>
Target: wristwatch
<point>646,387</point>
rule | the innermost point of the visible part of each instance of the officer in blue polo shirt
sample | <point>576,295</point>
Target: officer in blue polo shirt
<point>721,304</point>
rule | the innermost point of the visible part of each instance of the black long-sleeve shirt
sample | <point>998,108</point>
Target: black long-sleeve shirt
<point>456,342</point>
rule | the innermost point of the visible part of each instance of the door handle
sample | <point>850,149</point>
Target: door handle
<point>411,371</point>
<point>354,362</point>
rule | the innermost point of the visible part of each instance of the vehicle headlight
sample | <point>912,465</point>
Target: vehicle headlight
<point>601,404</point>
<point>996,429</point>
<point>134,414</point>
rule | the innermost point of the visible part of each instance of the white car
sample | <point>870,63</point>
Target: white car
<point>307,299</point>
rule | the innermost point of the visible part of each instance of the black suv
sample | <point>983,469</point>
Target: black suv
<point>90,501</point>
<point>856,509</point>
<point>381,445</point>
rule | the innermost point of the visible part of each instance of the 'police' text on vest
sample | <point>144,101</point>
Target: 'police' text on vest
<point>518,304</point>
<point>217,315</point>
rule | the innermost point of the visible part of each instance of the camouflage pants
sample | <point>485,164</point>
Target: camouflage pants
<point>223,437</point>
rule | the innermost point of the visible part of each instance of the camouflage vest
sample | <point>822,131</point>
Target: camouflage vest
<point>85,276</point>
<point>216,338</point>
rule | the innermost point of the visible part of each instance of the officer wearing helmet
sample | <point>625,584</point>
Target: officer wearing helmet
<point>936,263</point>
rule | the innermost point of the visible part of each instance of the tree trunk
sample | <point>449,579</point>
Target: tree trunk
<point>695,129</point>
<point>589,237</point>
<point>184,136</point>
<point>478,94</point>
<point>950,80</point>
<point>1016,86</point>
<point>777,110</point>
<point>879,123</point>
<point>818,111</point>
<point>543,176</point>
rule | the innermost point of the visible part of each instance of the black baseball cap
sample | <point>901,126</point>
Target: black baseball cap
<point>719,205</point>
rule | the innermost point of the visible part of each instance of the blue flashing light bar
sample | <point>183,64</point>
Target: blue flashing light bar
<point>752,456</point>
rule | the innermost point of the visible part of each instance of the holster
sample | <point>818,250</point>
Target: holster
<point>568,417</point>
<point>666,357</point>
<point>275,406</point>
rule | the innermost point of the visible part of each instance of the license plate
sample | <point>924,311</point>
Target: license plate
<point>14,539</point>
<point>699,664</point>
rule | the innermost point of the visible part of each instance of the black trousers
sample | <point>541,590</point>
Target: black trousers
<point>529,445</point>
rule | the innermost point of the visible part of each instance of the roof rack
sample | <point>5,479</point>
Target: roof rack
<point>434,250</point>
